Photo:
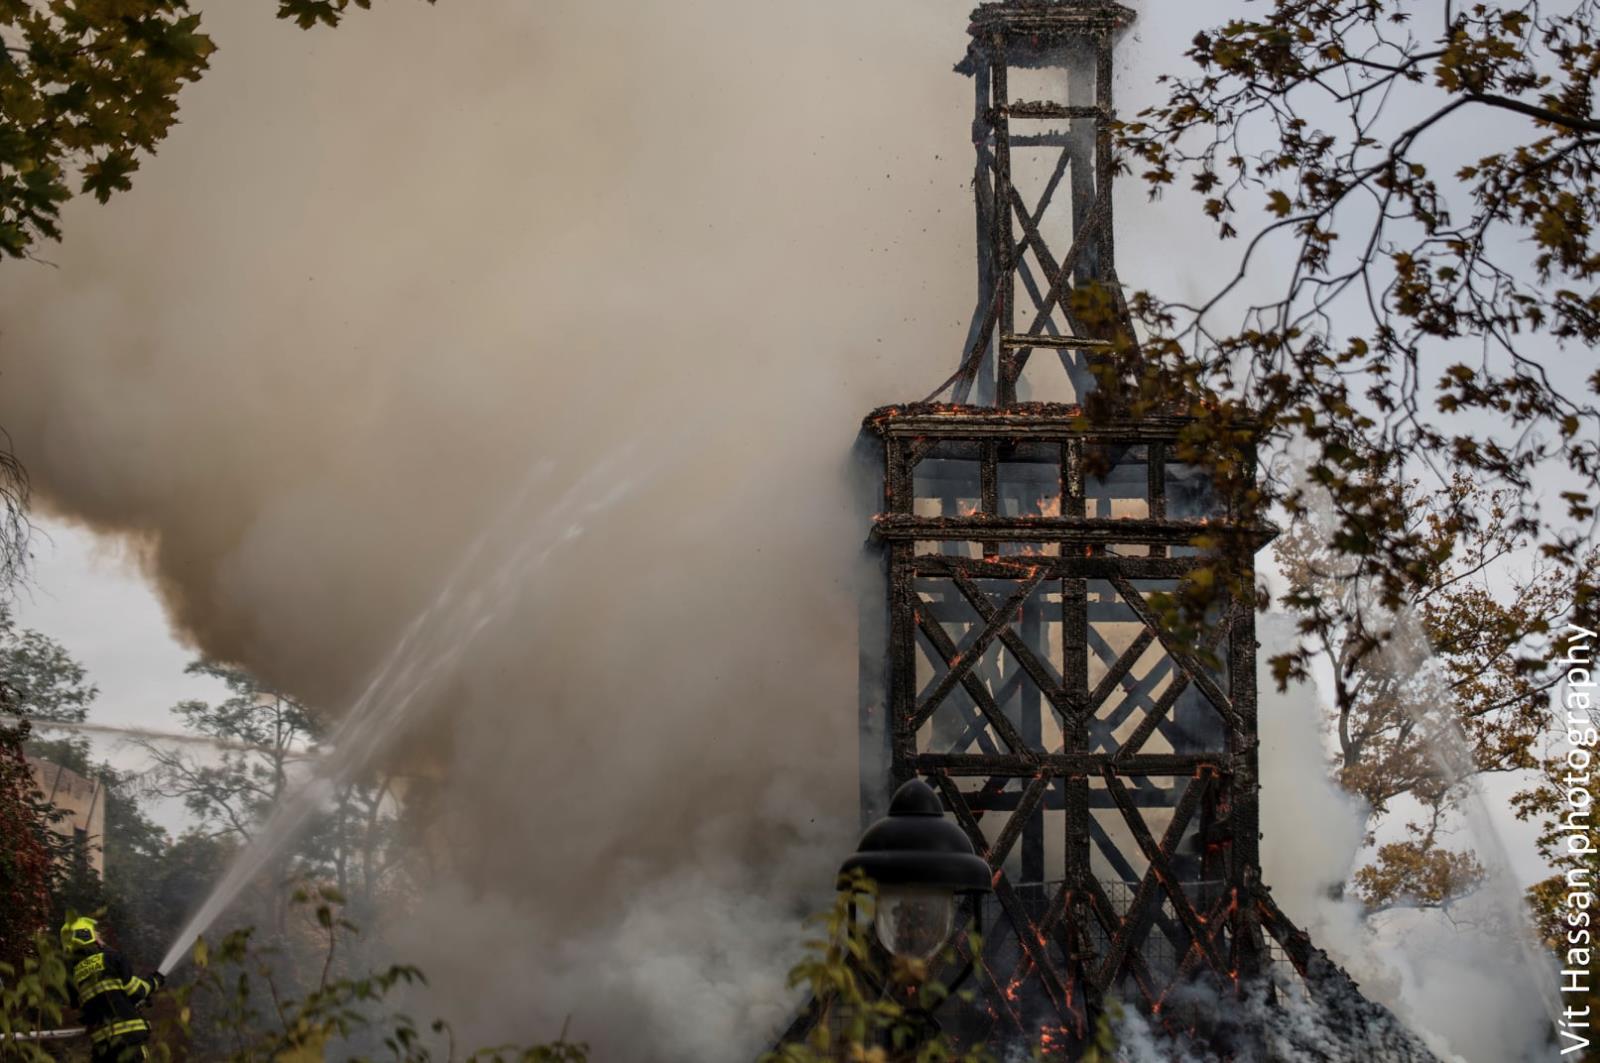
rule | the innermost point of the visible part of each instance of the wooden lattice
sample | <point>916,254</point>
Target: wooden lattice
<point>1030,680</point>
<point>1018,661</point>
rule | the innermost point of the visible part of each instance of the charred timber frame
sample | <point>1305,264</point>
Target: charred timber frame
<point>1078,39</point>
<point>1019,658</point>
<point>1073,941</point>
<point>1007,621</point>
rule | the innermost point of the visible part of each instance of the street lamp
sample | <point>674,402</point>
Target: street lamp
<point>920,861</point>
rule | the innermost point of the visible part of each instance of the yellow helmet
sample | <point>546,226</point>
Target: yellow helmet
<point>79,933</point>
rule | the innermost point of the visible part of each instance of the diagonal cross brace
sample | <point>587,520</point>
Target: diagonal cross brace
<point>1058,293</point>
<point>1142,912</point>
<point>997,624</point>
<point>1105,914</point>
<point>975,728</point>
<point>1124,665</point>
<point>1215,921</point>
<point>975,688</point>
<point>1169,698</point>
<point>1158,855</point>
<point>1036,669</point>
<point>1033,951</point>
<point>1185,662</point>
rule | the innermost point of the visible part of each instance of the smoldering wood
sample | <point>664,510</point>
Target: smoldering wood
<point>1027,935</point>
<point>1068,530</point>
<point>1066,764</point>
<point>1135,925</point>
<point>962,672</point>
<point>1160,854</point>
<point>1066,343</point>
<point>1106,771</point>
<point>962,664</point>
<point>985,800</point>
<point>1061,421</point>
<point>1042,109</point>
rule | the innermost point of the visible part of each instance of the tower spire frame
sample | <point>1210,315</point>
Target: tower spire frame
<point>1015,651</point>
<point>1105,769</point>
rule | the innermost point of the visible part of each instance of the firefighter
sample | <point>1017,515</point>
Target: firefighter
<point>107,994</point>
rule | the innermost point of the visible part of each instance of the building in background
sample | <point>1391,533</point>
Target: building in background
<point>84,802</point>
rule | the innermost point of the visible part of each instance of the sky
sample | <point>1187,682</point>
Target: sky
<point>84,592</point>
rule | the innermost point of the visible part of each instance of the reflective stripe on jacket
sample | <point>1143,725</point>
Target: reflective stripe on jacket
<point>107,994</point>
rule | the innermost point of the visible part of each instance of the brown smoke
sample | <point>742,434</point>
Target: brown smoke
<point>379,273</point>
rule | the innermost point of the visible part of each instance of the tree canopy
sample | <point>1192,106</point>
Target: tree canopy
<point>1413,190</point>
<point>45,681</point>
<point>262,738</point>
<point>25,868</point>
<point>1424,701</point>
<point>87,89</point>
<point>1420,183</point>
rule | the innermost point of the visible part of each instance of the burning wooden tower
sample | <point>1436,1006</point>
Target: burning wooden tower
<point>1017,663</point>
<point>1108,775</point>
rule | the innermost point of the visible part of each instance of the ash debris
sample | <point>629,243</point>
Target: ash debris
<point>1324,1019</point>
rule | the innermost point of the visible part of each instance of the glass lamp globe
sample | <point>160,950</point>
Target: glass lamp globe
<point>914,922</point>
<point>920,861</point>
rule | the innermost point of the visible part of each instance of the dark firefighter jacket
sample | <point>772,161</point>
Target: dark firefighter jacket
<point>107,994</point>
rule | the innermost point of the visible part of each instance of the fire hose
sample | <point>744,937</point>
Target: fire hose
<point>43,1035</point>
<point>64,1034</point>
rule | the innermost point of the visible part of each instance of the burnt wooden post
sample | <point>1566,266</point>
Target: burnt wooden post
<point>1106,772</point>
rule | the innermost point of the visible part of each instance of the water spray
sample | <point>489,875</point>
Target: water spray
<point>482,587</point>
<point>1450,751</point>
<point>145,734</point>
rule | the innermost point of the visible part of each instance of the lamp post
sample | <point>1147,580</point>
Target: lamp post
<point>920,861</point>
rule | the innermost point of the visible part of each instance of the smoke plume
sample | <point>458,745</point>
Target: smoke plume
<point>374,277</point>
<point>1460,982</point>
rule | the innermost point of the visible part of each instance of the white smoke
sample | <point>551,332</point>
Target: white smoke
<point>1460,981</point>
